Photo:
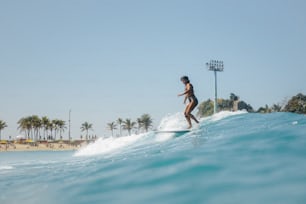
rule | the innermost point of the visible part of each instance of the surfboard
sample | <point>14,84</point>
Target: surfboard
<point>173,131</point>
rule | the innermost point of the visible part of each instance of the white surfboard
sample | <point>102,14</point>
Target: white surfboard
<point>173,131</point>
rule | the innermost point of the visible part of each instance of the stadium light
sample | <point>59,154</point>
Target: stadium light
<point>216,66</point>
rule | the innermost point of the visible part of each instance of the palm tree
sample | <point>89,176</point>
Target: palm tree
<point>2,126</point>
<point>55,126</point>
<point>51,128</point>
<point>128,125</point>
<point>45,122</point>
<point>25,125</point>
<point>146,121</point>
<point>36,125</point>
<point>112,126</point>
<point>86,127</point>
<point>61,127</point>
<point>21,125</point>
<point>139,123</point>
<point>119,122</point>
<point>32,126</point>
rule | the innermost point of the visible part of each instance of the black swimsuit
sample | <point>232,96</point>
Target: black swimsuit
<point>192,97</point>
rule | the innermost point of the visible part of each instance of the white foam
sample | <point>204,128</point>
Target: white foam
<point>224,114</point>
<point>170,122</point>
<point>6,167</point>
<point>163,137</point>
<point>107,145</point>
<point>110,145</point>
<point>175,121</point>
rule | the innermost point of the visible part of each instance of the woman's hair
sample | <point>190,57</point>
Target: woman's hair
<point>185,78</point>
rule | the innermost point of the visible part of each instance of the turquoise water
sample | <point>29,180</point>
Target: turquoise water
<point>229,158</point>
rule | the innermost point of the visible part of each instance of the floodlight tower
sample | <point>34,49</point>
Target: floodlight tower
<point>69,126</point>
<point>216,66</point>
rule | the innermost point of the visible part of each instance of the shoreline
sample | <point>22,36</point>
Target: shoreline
<point>13,147</point>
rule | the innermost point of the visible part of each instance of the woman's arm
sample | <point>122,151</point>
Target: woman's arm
<point>187,90</point>
<point>185,99</point>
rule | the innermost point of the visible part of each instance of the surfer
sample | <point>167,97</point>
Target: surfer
<point>193,101</point>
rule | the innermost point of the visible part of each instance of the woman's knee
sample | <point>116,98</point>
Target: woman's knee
<point>187,114</point>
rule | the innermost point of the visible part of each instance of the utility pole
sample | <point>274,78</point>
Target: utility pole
<point>216,66</point>
<point>69,126</point>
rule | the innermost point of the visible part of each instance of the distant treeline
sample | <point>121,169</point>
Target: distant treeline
<point>42,128</point>
<point>144,122</point>
<point>38,128</point>
<point>297,104</point>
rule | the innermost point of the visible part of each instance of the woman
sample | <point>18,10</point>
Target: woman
<point>193,101</point>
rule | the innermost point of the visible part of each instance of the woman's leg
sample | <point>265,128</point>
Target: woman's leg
<point>192,116</point>
<point>189,109</point>
<point>187,115</point>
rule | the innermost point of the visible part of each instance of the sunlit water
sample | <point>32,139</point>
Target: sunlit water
<point>229,158</point>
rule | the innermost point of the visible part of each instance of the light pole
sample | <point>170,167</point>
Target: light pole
<point>69,126</point>
<point>216,66</point>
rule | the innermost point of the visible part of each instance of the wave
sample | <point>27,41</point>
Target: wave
<point>224,114</point>
<point>107,145</point>
<point>174,121</point>
<point>258,156</point>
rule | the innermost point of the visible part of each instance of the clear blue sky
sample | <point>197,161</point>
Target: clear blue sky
<point>115,58</point>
